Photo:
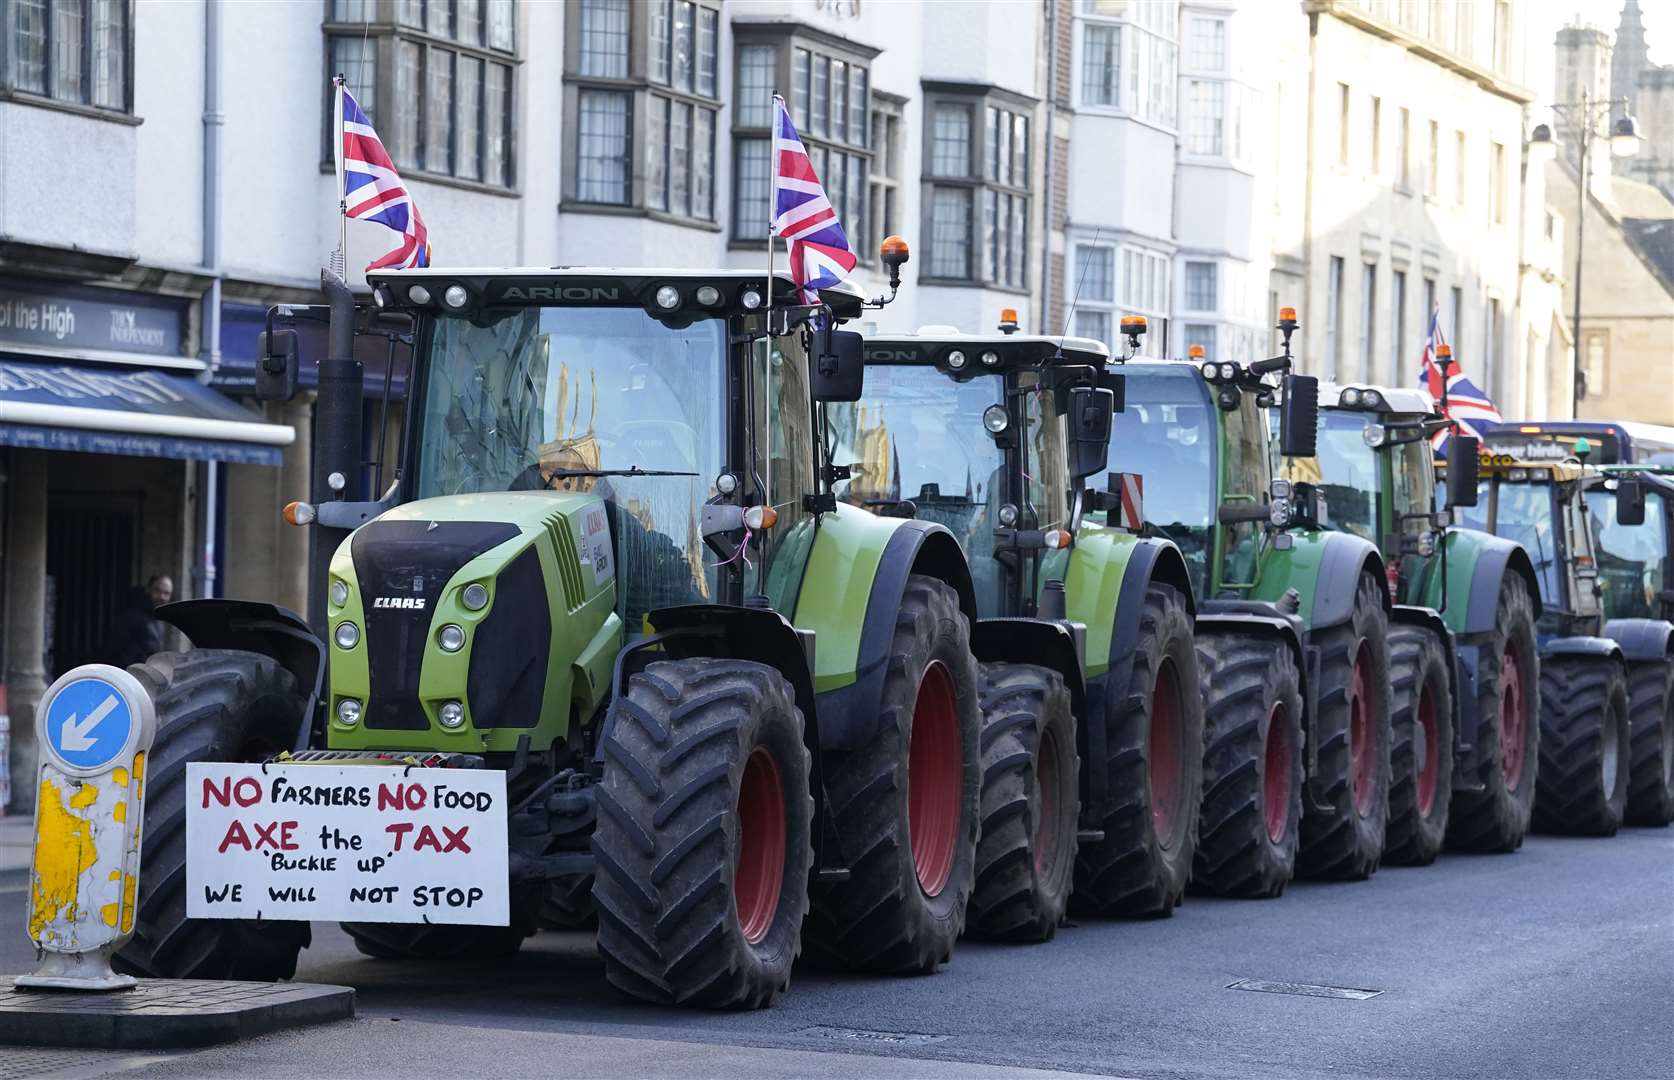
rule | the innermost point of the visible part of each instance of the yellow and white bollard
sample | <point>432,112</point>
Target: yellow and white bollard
<point>95,726</point>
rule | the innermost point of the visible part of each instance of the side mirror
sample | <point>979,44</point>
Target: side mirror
<point>277,370</point>
<point>1299,417</point>
<point>1088,422</point>
<point>1463,470</point>
<point>1117,384</point>
<point>1630,502</point>
<point>839,369</point>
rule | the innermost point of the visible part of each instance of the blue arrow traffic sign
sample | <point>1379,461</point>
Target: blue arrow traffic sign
<point>88,723</point>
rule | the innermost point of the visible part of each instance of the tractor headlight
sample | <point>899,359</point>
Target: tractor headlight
<point>1008,515</point>
<point>726,483</point>
<point>339,592</point>
<point>751,299</point>
<point>1278,512</point>
<point>475,596</point>
<point>1371,399</point>
<point>455,296</point>
<point>1427,543</point>
<point>990,358</point>
<point>348,711</point>
<point>418,294</point>
<point>668,298</point>
<point>451,714</point>
<point>1375,435</point>
<point>1351,398</point>
<point>1211,372</point>
<point>451,637</point>
<point>956,359</point>
<point>995,419</point>
<point>348,635</point>
<point>708,295</point>
<point>1229,371</point>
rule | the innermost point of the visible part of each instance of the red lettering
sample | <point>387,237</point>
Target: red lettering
<point>244,792</point>
<point>224,796</point>
<point>235,835</point>
<point>426,836</point>
<point>398,830</point>
<point>285,841</point>
<point>254,789</point>
<point>264,835</point>
<point>456,840</point>
<point>401,797</point>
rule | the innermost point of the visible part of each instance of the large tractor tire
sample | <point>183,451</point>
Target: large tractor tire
<point>1031,804</point>
<point>1252,766</point>
<point>907,805</point>
<point>567,904</point>
<point>1421,762</point>
<point>1496,817</point>
<point>704,843</point>
<point>1651,715</point>
<point>438,941</point>
<point>1346,842</point>
<point>212,705</point>
<point>1582,785</point>
<point>1154,772</point>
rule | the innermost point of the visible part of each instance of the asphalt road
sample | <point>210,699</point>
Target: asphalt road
<point>1557,961</point>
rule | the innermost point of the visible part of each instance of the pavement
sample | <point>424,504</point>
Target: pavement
<point>1554,962</point>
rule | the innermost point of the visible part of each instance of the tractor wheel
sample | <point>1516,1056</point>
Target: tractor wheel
<point>704,841</point>
<point>1421,762</point>
<point>907,806</point>
<point>1252,766</point>
<point>1346,842</point>
<point>1651,776</point>
<point>439,941</point>
<point>1496,818</point>
<point>1582,784</point>
<point>1154,771</point>
<point>567,904</point>
<point>212,705</point>
<point>1031,804</point>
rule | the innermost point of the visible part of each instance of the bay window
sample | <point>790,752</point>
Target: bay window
<point>1127,57</point>
<point>70,51</point>
<point>978,146</point>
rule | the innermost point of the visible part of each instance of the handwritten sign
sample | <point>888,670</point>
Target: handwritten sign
<point>358,843</point>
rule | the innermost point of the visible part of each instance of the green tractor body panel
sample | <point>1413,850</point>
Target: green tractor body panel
<point>565,596</point>
<point>1451,599</point>
<point>848,548</point>
<point>1298,568</point>
<point>1098,565</point>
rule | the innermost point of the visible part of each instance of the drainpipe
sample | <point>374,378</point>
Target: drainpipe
<point>1051,165</point>
<point>1522,220</point>
<point>210,346</point>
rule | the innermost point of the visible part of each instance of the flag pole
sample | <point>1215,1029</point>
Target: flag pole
<point>340,261</point>
<point>773,173</point>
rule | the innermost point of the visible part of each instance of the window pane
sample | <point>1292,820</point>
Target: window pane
<point>496,153</point>
<point>661,16</point>
<point>470,92</point>
<point>110,53</point>
<point>1095,273</point>
<point>29,44</point>
<point>408,101</point>
<point>410,12</point>
<point>1200,286</point>
<point>356,59</point>
<point>857,106</point>
<point>604,38</point>
<point>680,159</point>
<point>990,234</point>
<point>502,24</point>
<point>1092,324</point>
<point>1101,48</point>
<point>753,103</point>
<point>992,144</point>
<point>855,222</point>
<point>839,101</point>
<point>353,10</point>
<point>750,189</point>
<point>682,44</point>
<point>950,231</point>
<point>656,154</point>
<point>706,46</point>
<point>1200,334</point>
<point>468,14</point>
<point>438,113</point>
<point>1020,151</point>
<point>822,95</point>
<point>602,147</point>
<point>703,166</point>
<point>1018,263</point>
<point>1206,126</point>
<point>1208,44</point>
<point>950,141</point>
<point>66,50</point>
<point>799,89</point>
<point>438,17</point>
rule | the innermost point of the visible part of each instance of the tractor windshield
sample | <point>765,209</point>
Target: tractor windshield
<point>1167,435</point>
<point>1345,469</point>
<point>1526,514</point>
<point>918,447</point>
<point>1631,558</point>
<point>571,399</point>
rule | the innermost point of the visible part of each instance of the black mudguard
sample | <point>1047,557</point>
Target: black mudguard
<point>1581,646</point>
<point>267,629</point>
<point>1641,639</point>
<point>1043,642</point>
<point>1495,561</point>
<point>1346,557</point>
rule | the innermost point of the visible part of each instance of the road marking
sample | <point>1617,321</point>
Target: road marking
<point>906,1038</point>
<point>1267,986</point>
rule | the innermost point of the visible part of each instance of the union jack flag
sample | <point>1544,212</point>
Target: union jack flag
<point>820,256</point>
<point>1462,401</point>
<point>373,191</point>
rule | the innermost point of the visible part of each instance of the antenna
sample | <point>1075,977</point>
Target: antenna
<point>1080,280</point>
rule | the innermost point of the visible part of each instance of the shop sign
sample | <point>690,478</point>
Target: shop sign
<point>78,317</point>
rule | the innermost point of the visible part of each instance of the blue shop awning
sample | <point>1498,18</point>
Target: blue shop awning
<point>134,413</point>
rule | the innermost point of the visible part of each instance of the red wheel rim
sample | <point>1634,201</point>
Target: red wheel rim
<point>1166,755</point>
<point>759,873</point>
<point>1046,816</point>
<point>1426,751</point>
<point>1363,759</point>
<point>1513,717</point>
<point>935,768</point>
<point>1275,776</point>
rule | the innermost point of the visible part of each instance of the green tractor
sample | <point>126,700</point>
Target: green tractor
<point>611,564</point>
<point>1292,626</point>
<point>1092,718</point>
<point>1589,661</point>
<point>1464,664</point>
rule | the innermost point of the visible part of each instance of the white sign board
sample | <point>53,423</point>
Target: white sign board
<point>357,843</point>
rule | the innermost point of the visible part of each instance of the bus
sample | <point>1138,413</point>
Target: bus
<point>1614,442</point>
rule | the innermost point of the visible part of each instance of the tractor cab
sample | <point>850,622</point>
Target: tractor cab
<point>1631,514</point>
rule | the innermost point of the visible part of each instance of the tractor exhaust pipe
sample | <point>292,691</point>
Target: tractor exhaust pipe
<point>337,436</point>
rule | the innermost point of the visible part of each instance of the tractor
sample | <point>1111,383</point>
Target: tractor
<point>612,565</point>
<point>1092,718</point>
<point>1464,664</point>
<point>1583,742</point>
<point>1292,626</point>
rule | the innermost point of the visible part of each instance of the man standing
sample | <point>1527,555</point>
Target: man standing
<point>135,634</point>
